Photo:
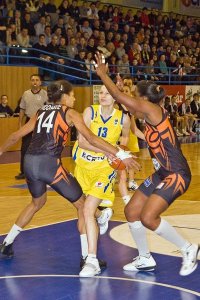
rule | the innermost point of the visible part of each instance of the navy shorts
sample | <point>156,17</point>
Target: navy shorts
<point>43,169</point>
<point>169,188</point>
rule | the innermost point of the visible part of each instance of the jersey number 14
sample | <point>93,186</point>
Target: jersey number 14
<point>46,123</point>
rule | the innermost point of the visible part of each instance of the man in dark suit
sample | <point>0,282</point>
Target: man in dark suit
<point>195,105</point>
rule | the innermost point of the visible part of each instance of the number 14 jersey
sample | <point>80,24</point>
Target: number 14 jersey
<point>51,131</point>
<point>109,130</point>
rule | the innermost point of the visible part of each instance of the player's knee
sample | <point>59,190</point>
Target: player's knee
<point>147,220</point>
<point>87,212</point>
<point>131,214</point>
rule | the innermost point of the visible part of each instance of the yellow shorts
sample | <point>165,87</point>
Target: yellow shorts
<point>98,183</point>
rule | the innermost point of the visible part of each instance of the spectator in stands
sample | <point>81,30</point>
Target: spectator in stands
<point>28,24</point>
<point>60,24</point>
<point>47,34</point>
<point>120,51</point>
<point>123,66</point>
<point>116,40</point>
<point>101,47</point>
<point>150,71</point>
<point>52,47</point>
<point>109,36</point>
<point>72,48</point>
<point>17,21</point>
<point>86,28</point>
<point>190,120</point>
<point>82,44</point>
<point>23,39</point>
<point>110,47</point>
<point>195,105</point>
<point>103,14</point>
<point>79,64</point>
<point>107,26</point>
<point>116,17</point>
<point>50,7</point>
<point>91,46</point>
<point>11,38</point>
<point>145,18</point>
<point>4,107</point>
<point>40,26</point>
<point>163,68</point>
<point>145,56</point>
<point>133,52</point>
<point>92,12</point>
<point>84,10</point>
<point>41,7</point>
<point>89,64</point>
<point>63,9</point>
<point>74,10</point>
<point>137,20</point>
<point>112,64</point>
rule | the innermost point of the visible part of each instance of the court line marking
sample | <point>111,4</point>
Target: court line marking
<point>105,277</point>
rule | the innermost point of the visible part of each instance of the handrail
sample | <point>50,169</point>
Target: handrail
<point>32,57</point>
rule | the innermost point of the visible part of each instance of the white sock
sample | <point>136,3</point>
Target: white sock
<point>166,231</point>
<point>13,233</point>
<point>138,232</point>
<point>126,199</point>
<point>84,245</point>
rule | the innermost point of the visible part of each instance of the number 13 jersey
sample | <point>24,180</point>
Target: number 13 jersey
<point>109,130</point>
<point>51,131</point>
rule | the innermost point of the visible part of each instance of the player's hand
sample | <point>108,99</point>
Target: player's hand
<point>120,83</point>
<point>110,156</point>
<point>131,163</point>
<point>100,66</point>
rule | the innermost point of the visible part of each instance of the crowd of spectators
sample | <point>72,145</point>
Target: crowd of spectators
<point>148,44</point>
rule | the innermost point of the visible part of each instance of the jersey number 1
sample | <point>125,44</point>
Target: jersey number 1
<point>46,123</point>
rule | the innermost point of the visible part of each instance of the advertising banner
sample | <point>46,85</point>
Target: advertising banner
<point>96,90</point>
<point>177,90</point>
<point>145,3</point>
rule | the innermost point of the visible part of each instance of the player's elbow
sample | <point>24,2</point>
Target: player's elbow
<point>14,137</point>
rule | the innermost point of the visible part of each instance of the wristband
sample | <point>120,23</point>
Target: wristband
<point>121,154</point>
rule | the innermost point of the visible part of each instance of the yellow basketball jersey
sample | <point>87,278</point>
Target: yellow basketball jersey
<point>133,143</point>
<point>109,130</point>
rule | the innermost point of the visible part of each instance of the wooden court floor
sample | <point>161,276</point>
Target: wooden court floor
<point>14,196</point>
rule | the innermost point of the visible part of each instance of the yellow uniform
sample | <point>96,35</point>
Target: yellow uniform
<point>133,143</point>
<point>92,170</point>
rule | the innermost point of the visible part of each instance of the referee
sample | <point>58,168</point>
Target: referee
<point>32,100</point>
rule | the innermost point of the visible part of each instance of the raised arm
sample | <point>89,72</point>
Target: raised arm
<point>15,136</point>
<point>135,130</point>
<point>132,103</point>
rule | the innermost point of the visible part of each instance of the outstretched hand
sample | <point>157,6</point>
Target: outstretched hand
<point>120,83</point>
<point>100,65</point>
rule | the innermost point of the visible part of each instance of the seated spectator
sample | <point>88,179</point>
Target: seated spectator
<point>133,52</point>
<point>40,26</point>
<point>195,105</point>
<point>112,65</point>
<point>103,14</point>
<point>63,9</point>
<point>17,21</point>
<point>28,24</point>
<point>40,45</point>
<point>179,121</point>
<point>91,46</point>
<point>163,68</point>
<point>50,7</point>
<point>107,27</point>
<point>145,56</point>
<point>92,12</point>
<point>186,111</point>
<point>41,7</point>
<point>109,37</point>
<point>23,39</point>
<point>74,10</point>
<point>116,16</point>
<point>84,10</point>
<point>82,44</point>
<point>72,48</point>
<point>4,107</point>
<point>11,38</point>
<point>145,18</point>
<point>60,24</point>
<point>86,28</point>
<point>150,71</point>
<point>101,47</point>
<point>116,40</point>
<point>89,63</point>
<point>111,48</point>
<point>47,34</point>
<point>80,65</point>
<point>120,51</point>
<point>52,47</point>
<point>123,66</point>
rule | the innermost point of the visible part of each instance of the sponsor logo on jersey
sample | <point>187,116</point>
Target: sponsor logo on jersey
<point>156,164</point>
<point>91,158</point>
<point>50,107</point>
<point>99,184</point>
<point>147,182</point>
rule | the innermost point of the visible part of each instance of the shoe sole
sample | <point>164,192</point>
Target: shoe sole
<point>146,269</point>
<point>89,276</point>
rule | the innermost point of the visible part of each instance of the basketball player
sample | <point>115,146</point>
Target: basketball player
<point>93,171</point>
<point>43,158</point>
<point>171,179</point>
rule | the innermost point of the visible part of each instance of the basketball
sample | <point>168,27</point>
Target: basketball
<point>117,163</point>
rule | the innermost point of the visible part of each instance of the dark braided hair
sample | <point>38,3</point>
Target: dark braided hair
<point>56,89</point>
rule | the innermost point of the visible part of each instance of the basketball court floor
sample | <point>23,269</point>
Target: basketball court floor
<point>47,253</point>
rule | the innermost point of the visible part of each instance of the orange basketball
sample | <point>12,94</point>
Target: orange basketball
<point>117,163</point>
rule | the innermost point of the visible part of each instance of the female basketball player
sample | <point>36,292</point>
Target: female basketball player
<point>93,171</point>
<point>171,179</point>
<point>43,159</point>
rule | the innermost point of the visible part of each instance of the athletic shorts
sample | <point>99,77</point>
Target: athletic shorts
<point>169,187</point>
<point>41,170</point>
<point>98,183</point>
